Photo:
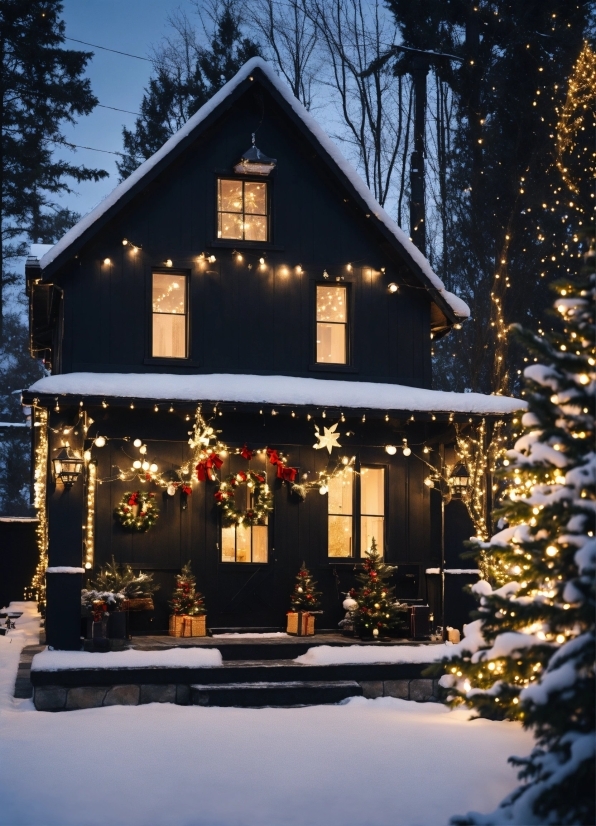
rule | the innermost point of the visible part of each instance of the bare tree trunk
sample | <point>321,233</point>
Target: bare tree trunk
<point>291,38</point>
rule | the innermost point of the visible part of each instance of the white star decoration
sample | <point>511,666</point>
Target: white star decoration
<point>329,439</point>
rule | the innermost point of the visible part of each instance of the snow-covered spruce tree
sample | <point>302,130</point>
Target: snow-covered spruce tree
<point>186,599</point>
<point>530,655</point>
<point>305,596</point>
<point>377,612</point>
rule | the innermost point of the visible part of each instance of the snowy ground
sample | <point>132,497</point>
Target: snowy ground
<point>382,762</point>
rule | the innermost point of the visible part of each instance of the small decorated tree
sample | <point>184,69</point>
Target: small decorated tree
<point>377,612</point>
<point>186,600</point>
<point>305,596</point>
<point>188,607</point>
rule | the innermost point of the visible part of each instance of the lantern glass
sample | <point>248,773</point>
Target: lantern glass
<point>67,467</point>
<point>459,480</point>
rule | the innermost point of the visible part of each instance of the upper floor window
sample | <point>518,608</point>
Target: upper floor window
<point>332,324</point>
<point>242,210</point>
<point>169,316</point>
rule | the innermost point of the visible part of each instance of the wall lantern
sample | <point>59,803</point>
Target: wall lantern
<point>67,467</point>
<point>459,481</point>
<point>254,162</point>
<point>392,288</point>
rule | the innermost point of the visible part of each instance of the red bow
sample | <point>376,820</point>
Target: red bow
<point>205,467</point>
<point>186,489</point>
<point>273,457</point>
<point>220,496</point>
<point>134,499</point>
<point>246,453</point>
<point>286,474</point>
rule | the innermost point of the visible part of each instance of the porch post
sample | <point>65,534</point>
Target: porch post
<point>65,544</point>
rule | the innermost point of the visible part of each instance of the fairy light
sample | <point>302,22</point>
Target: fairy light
<point>90,520</point>
<point>38,583</point>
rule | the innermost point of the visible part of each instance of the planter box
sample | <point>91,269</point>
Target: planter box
<point>301,623</point>
<point>186,626</point>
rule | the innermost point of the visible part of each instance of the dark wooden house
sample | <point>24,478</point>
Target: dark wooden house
<point>274,295</point>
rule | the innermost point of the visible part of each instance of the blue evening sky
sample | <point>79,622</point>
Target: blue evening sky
<point>132,26</point>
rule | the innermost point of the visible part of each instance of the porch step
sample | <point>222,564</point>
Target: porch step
<point>280,693</point>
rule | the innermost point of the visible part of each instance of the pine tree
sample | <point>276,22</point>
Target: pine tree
<point>305,596</point>
<point>514,62</point>
<point>187,75</point>
<point>530,654</point>
<point>377,612</point>
<point>17,370</point>
<point>186,599</point>
<point>42,87</point>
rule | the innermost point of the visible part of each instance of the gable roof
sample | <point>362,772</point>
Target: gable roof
<point>257,69</point>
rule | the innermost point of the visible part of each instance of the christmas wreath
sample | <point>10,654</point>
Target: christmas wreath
<point>261,499</point>
<point>137,511</point>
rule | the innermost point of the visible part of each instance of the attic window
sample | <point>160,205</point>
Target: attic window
<point>242,210</point>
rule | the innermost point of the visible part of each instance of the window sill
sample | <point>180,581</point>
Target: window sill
<point>230,243</point>
<point>171,362</point>
<point>333,368</point>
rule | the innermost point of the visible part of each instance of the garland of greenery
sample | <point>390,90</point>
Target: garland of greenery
<point>146,514</point>
<point>262,499</point>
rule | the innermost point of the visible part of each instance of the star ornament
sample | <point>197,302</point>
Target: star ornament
<point>328,439</point>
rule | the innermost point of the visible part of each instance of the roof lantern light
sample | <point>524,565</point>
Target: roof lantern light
<point>254,162</point>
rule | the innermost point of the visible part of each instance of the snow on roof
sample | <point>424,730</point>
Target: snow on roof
<point>459,307</point>
<point>291,390</point>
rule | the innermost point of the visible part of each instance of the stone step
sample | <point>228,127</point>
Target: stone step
<point>256,694</point>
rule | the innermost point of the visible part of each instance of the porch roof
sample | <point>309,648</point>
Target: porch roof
<point>279,390</point>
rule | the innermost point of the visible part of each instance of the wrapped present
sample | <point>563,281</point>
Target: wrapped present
<point>301,623</point>
<point>453,634</point>
<point>183,625</point>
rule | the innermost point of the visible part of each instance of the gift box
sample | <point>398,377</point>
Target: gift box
<point>183,625</point>
<point>453,634</point>
<point>301,623</point>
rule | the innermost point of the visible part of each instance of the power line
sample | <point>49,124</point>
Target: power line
<point>105,48</point>
<point>92,148</point>
<point>116,109</point>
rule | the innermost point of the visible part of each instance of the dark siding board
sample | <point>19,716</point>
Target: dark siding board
<point>241,317</point>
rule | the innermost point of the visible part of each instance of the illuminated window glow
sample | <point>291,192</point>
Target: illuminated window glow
<point>169,308</point>
<point>332,324</point>
<point>242,210</point>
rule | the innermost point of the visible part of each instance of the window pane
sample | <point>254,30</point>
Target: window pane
<point>372,491</point>
<point>255,228</point>
<point>340,536</point>
<point>169,336</point>
<point>169,293</point>
<point>331,343</point>
<point>332,304</point>
<point>228,544</point>
<point>255,198</point>
<point>242,544</point>
<point>340,494</point>
<point>259,543</point>
<point>372,526</point>
<point>229,226</point>
<point>230,196</point>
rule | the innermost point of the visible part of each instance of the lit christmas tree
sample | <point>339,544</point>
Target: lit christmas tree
<point>186,599</point>
<point>305,596</point>
<point>377,612</point>
<point>531,653</point>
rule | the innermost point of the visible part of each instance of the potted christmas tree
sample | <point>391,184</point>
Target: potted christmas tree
<point>188,618</point>
<point>130,590</point>
<point>304,600</point>
<point>377,612</point>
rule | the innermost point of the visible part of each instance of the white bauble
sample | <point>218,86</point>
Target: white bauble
<point>375,632</point>
<point>171,490</point>
<point>350,604</point>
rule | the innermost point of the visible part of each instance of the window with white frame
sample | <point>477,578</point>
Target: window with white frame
<point>169,315</point>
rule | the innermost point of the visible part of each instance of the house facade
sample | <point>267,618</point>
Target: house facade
<point>241,331</point>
